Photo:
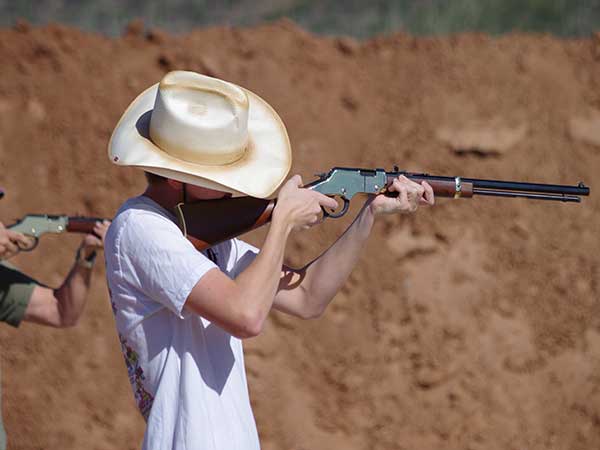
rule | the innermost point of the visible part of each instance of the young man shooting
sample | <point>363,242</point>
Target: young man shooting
<point>182,314</point>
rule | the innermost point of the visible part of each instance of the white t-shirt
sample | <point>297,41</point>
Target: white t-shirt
<point>187,374</point>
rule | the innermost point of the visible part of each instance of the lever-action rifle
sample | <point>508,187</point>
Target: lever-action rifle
<point>34,225</point>
<point>209,222</point>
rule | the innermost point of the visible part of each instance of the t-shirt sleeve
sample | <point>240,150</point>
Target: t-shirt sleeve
<point>15,293</point>
<point>158,260</point>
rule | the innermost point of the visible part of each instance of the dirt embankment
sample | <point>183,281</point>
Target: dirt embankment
<point>473,325</point>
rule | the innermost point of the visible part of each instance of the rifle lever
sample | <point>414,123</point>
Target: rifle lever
<point>336,215</point>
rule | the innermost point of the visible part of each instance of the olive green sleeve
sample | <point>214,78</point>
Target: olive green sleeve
<point>15,293</point>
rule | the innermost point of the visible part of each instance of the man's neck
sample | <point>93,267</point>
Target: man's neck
<point>164,195</point>
<point>169,194</point>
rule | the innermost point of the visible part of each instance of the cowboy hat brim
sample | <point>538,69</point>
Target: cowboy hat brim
<point>258,173</point>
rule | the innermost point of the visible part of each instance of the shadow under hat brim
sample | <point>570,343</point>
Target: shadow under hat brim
<point>258,173</point>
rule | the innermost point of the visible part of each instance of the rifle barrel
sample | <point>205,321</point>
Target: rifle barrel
<point>580,189</point>
<point>509,188</point>
<point>542,196</point>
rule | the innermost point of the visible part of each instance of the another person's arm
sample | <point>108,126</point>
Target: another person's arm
<point>63,306</point>
<point>10,241</point>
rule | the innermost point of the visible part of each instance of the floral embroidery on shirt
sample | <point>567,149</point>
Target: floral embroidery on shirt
<point>136,377</point>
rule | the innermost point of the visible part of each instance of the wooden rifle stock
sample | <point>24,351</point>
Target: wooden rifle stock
<point>441,188</point>
<point>83,224</point>
<point>208,222</point>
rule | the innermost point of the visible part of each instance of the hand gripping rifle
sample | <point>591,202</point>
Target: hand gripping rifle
<point>209,222</point>
<point>34,225</point>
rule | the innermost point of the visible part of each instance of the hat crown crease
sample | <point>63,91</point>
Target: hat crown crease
<point>200,120</point>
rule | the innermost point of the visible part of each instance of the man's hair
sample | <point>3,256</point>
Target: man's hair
<point>152,178</point>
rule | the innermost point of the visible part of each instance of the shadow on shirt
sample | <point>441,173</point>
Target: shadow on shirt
<point>221,359</point>
<point>204,344</point>
<point>215,370</point>
<point>198,345</point>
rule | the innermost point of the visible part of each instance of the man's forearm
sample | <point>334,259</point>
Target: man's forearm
<point>60,307</point>
<point>259,282</point>
<point>72,294</point>
<point>325,275</point>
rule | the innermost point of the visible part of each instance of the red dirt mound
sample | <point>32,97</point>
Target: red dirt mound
<point>473,325</point>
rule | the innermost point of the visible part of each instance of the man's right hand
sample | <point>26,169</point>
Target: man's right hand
<point>10,242</point>
<point>300,208</point>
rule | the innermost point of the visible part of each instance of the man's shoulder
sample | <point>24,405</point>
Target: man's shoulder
<point>142,205</point>
<point>143,208</point>
<point>140,215</point>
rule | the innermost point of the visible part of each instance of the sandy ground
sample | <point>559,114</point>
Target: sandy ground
<point>472,325</point>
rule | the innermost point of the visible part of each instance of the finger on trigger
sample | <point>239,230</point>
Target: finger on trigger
<point>13,235</point>
<point>19,238</point>
<point>325,200</point>
<point>23,239</point>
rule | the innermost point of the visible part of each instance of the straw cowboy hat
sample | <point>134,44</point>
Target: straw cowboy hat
<point>204,131</point>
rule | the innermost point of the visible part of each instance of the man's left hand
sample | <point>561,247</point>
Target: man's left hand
<point>411,195</point>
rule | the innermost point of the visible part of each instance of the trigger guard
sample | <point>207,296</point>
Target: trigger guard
<point>337,215</point>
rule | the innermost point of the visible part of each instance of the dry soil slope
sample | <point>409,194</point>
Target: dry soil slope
<point>470,325</point>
